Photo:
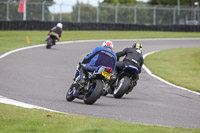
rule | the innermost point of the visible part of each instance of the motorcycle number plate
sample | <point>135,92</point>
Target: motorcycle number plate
<point>106,74</point>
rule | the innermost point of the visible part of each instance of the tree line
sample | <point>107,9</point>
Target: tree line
<point>127,15</point>
<point>88,13</point>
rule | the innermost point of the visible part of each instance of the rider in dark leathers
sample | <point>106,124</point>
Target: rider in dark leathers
<point>133,57</point>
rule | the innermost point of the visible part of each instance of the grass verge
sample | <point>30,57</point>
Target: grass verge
<point>19,120</point>
<point>179,66</point>
<point>16,39</point>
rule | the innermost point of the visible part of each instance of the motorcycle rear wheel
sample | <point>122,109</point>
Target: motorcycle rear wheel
<point>122,87</point>
<point>49,43</point>
<point>95,92</point>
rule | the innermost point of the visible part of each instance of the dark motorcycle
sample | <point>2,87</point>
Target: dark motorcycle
<point>91,88</point>
<point>124,83</point>
<point>51,40</point>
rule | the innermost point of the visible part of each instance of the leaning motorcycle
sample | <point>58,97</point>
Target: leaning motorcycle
<point>124,83</point>
<point>91,89</point>
<point>53,37</point>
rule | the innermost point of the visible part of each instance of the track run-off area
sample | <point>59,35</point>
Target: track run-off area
<point>41,77</point>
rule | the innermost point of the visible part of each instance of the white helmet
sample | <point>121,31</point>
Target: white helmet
<point>60,25</point>
<point>108,44</point>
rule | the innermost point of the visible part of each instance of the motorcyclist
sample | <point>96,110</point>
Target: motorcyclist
<point>100,56</point>
<point>133,57</point>
<point>57,30</point>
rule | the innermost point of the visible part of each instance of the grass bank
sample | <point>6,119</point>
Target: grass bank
<point>16,39</point>
<point>179,66</point>
<point>19,120</point>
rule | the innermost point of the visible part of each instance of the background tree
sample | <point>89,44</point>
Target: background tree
<point>173,2</point>
<point>33,9</point>
<point>132,2</point>
<point>87,12</point>
<point>184,14</point>
<point>3,10</point>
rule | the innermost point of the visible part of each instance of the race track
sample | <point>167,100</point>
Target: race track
<point>41,77</point>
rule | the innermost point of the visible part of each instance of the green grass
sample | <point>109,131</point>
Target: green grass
<point>179,66</point>
<point>20,120</point>
<point>10,40</point>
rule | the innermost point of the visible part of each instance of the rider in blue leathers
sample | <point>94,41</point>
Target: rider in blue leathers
<point>100,56</point>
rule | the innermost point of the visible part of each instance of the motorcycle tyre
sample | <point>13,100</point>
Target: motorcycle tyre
<point>123,89</point>
<point>96,94</point>
<point>49,43</point>
<point>71,97</point>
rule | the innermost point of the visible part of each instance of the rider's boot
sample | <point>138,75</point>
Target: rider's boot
<point>131,87</point>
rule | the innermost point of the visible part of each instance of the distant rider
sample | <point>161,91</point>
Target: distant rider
<point>133,57</point>
<point>100,56</point>
<point>57,30</point>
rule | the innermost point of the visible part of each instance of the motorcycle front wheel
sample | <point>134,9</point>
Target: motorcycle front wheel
<point>122,87</point>
<point>95,92</point>
<point>70,96</point>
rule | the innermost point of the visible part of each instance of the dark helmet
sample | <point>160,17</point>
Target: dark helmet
<point>137,45</point>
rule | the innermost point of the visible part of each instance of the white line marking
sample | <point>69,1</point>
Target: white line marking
<point>25,105</point>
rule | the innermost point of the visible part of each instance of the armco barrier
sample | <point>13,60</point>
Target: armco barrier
<point>39,25</point>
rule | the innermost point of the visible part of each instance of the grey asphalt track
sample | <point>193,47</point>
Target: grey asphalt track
<point>41,77</point>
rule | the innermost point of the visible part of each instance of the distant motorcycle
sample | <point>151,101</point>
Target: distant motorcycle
<point>125,82</point>
<point>51,40</point>
<point>91,89</point>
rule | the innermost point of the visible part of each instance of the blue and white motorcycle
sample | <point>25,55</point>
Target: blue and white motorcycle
<point>88,89</point>
<point>125,81</point>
